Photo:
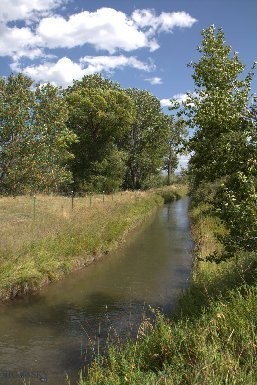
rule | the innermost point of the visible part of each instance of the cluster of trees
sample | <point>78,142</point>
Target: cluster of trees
<point>223,114</point>
<point>92,136</point>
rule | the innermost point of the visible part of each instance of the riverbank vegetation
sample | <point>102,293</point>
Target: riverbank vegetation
<point>212,336</point>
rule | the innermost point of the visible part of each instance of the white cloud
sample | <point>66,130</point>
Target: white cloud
<point>180,97</point>
<point>166,21</point>
<point>109,29</point>
<point>154,80</point>
<point>106,29</point>
<point>24,9</point>
<point>17,42</point>
<point>165,102</point>
<point>108,63</point>
<point>64,71</point>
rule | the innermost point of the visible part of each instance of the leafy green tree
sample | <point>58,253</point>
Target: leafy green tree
<point>93,81</point>
<point>53,140</point>
<point>33,137</point>
<point>147,140</point>
<point>16,101</point>
<point>225,143</point>
<point>101,119</point>
<point>235,201</point>
<point>108,174</point>
<point>217,108</point>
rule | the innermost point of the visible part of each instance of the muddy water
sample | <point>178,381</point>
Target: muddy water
<point>46,336</point>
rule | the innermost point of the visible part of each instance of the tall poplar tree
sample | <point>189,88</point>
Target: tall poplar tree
<point>224,146</point>
<point>217,109</point>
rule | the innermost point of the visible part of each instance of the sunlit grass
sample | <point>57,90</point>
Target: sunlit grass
<point>45,237</point>
<point>170,193</point>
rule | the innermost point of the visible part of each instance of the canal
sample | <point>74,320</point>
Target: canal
<point>55,333</point>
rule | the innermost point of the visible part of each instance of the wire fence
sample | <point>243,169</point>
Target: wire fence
<point>23,208</point>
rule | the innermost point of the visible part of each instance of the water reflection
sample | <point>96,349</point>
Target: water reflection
<point>57,330</point>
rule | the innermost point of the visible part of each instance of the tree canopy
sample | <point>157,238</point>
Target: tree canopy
<point>92,136</point>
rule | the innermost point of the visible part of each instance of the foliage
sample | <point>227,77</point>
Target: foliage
<point>94,134</point>
<point>34,140</point>
<point>101,118</point>
<point>171,193</point>
<point>108,175</point>
<point>93,81</point>
<point>236,205</point>
<point>16,135</point>
<point>224,146</point>
<point>176,138</point>
<point>53,141</point>
<point>217,109</point>
<point>146,142</point>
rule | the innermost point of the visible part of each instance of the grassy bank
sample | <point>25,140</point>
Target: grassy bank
<point>60,239</point>
<point>212,337</point>
<point>46,237</point>
<point>171,193</point>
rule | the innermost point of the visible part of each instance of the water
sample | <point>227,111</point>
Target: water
<point>45,336</point>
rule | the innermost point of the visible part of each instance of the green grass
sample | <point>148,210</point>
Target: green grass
<point>173,192</point>
<point>212,337</point>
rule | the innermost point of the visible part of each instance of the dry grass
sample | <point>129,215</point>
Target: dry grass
<point>53,214</point>
<point>42,245</point>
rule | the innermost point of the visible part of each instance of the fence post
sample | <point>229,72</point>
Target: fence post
<point>34,207</point>
<point>103,196</point>
<point>72,199</point>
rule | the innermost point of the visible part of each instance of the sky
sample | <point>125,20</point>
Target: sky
<point>144,44</point>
